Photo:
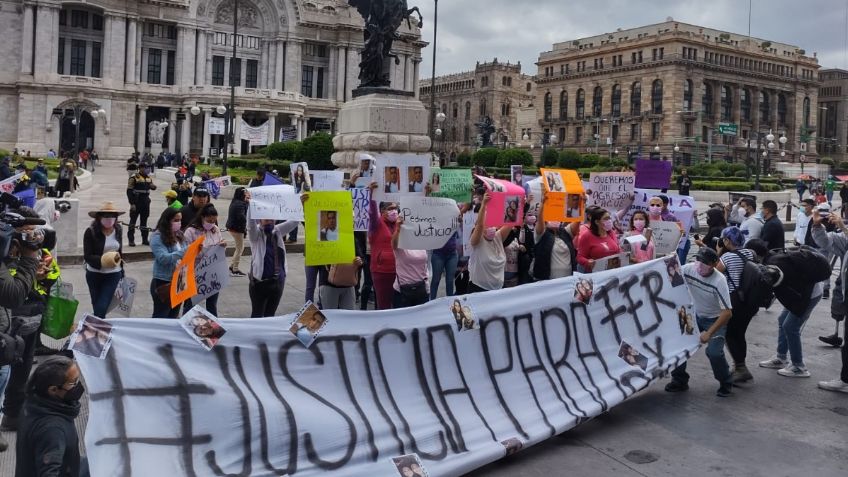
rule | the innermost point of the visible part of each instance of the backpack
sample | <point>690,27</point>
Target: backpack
<point>802,269</point>
<point>755,287</point>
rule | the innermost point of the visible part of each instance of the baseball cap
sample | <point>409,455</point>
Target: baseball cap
<point>200,190</point>
<point>171,194</point>
<point>707,255</point>
<point>823,207</point>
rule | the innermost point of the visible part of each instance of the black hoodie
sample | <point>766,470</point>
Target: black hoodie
<point>48,444</point>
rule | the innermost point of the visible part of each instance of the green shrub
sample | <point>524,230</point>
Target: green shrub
<point>464,159</point>
<point>826,161</point>
<point>4,153</point>
<point>550,157</point>
<point>317,151</point>
<point>732,186</point>
<point>843,165</point>
<point>283,151</point>
<point>740,174</point>
<point>590,160</point>
<point>569,159</point>
<point>514,157</point>
<point>486,157</point>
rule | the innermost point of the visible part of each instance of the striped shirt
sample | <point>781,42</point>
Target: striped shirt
<point>733,266</point>
<point>710,293</point>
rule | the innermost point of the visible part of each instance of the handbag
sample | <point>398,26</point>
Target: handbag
<point>58,318</point>
<point>343,275</point>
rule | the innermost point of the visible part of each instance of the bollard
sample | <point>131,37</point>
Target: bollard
<point>789,211</point>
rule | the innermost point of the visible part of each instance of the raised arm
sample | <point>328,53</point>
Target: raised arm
<point>477,234</point>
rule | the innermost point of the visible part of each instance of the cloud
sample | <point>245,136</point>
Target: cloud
<point>512,30</point>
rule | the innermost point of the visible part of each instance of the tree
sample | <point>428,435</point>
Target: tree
<point>569,160</point>
<point>514,157</point>
<point>317,151</point>
<point>283,151</point>
<point>486,157</point>
<point>550,157</point>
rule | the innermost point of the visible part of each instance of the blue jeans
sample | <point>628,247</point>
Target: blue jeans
<point>715,353</point>
<point>683,251</point>
<point>789,333</point>
<point>102,287</point>
<point>829,196</point>
<point>311,283</point>
<point>5,371</point>
<point>443,264</point>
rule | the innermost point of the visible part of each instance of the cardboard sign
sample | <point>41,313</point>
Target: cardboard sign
<point>652,174</point>
<point>507,204</point>
<point>682,206</point>
<point>666,237</point>
<point>122,300</point>
<point>564,195</point>
<point>327,180</point>
<point>401,175</point>
<point>212,272</point>
<point>612,262</point>
<point>611,190</point>
<point>279,202</point>
<point>453,184</point>
<point>183,283</point>
<point>300,178</point>
<point>329,228</point>
<point>468,221</point>
<point>361,209</point>
<point>428,222</point>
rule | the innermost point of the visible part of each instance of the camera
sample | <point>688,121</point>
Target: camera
<point>10,220</point>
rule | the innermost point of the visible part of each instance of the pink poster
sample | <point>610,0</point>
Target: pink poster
<point>507,204</point>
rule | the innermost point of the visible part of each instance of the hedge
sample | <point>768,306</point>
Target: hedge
<point>514,157</point>
<point>486,157</point>
<point>733,186</point>
<point>464,159</point>
<point>550,157</point>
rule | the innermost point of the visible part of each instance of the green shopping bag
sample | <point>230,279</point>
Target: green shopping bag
<point>58,317</point>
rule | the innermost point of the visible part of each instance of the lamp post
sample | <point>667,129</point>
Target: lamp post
<point>229,125</point>
<point>439,133</point>
<point>433,75</point>
<point>766,148</point>
<point>674,154</point>
<point>597,133</point>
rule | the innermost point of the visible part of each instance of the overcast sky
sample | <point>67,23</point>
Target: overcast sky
<point>518,30</point>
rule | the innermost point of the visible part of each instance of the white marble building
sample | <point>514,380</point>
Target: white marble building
<point>154,60</point>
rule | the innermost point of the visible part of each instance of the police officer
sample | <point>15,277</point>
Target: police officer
<point>138,193</point>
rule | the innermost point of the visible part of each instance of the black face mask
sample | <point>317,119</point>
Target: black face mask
<point>74,394</point>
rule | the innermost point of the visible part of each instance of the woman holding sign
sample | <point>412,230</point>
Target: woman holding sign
<point>268,264</point>
<point>382,228</point>
<point>205,224</point>
<point>488,262</point>
<point>412,274</point>
<point>598,241</point>
<point>643,249</point>
<point>555,252</point>
<point>168,246</point>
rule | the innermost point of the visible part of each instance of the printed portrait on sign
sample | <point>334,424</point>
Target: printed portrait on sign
<point>512,446</point>
<point>675,276</point>
<point>554,181</point>
<point>181,280</point>
<point>203,327</point>
<point>512,202</point>
<point>632,356</point>
<point>366,168</point>
<point>329,228</point>
<point>613,262</point>
<point>436,182</point>
<point>574,206</point>
<point>416,178</point>
<point>308,324</point>
<point>409,466</point>
<point>391,176</point>
<point>517,175</point>
<point>462,315</point>
<point>687,321</point>
<point>583,290</point>
<point>300,178</point>
<point>92,338</point>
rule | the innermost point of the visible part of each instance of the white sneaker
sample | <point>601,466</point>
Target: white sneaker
<point>774,363</point>
<point>837,385</point>
<point>793,371</point>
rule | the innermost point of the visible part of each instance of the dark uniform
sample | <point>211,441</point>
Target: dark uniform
<point>138,194</point>
<point>182,186</point>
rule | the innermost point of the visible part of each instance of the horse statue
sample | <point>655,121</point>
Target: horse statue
<point>382,20</point>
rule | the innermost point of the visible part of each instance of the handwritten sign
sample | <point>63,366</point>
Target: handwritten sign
<point>275,202</point>
<point>682,206</point>
<point>454,184</point>
<point>401,175</point>
<point>653,174</point>
<point>329,228</point>
<point>564,195</point>
<point>666,237</point>
<point>428,222</point>
<point>183,283</point>
<point>611,190</point>
<point>122,300</point>
<point>507,204</point>
<point>468,221</point>
<point>211,272</point>
<point>327,180</point>
<point>361,209</point>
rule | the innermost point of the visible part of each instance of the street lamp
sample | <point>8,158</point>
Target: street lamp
<point>433,75</point>
<point>195,110</point>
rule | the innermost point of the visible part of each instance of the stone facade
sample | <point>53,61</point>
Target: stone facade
<point>833,114</point>
<point>672,84</point>
<point>496,89</point>
<point>154,60</point>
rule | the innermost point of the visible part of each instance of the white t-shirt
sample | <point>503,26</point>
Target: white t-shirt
<point>111,245</point>
<point>561,265</point>
<point>801,224</point>
<point>487,264</point>
<point>710,294</point>
<point>752,227</point>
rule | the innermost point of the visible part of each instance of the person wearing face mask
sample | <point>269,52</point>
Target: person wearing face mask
<point>205,224</point>
<point>383,269</point>
<point>48,444</point>
<point>268,265</point>
<point>746,215</point>
<point>598,241</point>
<point>488,259</point>
<point>802,222</point>
<point>138,194</point>
<point>712,304</point>
<point>555,253</point>
<point>640,225</point>
<point>715,223</point>
<point>102,250</point>
<point>168,246</point>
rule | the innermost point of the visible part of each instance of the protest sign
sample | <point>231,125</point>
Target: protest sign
<point>506,206</point>
<point>214,186</point>
<point>516,173</point>
<point>428,222</point>
<point>454,184</point>
<point>202,327</point>
<point>682,206</point>
<point>612,191</point>
<point>122,300</point>
<point>183,284</point>
<point>212,273</point>
<point>377,385</point>
<point>534,196</point>
<point>279,202</point>
<point>564,195</point>
<point>329,228</point>
<point>300,178</point>
<point>8,185</point>
<point>401,174</point>
<point>611,262</point>
<point>666,236</point>
<point>327,180</point>
<point>361,209</point>
<point>468,221</point>
<point>652,174</point>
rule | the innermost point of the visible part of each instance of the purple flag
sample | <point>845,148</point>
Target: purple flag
<point>653,174</point>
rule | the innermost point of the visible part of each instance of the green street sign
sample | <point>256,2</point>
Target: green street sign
<point>728,129</point>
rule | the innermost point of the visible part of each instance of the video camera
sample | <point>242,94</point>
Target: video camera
<point>10,220</point>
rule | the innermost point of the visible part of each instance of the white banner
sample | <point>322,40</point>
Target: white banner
<point>361,209</point>
<point>457,382</point>
<point>211,273</point>
<point>278,202</point>
<point>327,180</point>
<point>256,135</point>
<point>428,222</point>
<point>216,125</point>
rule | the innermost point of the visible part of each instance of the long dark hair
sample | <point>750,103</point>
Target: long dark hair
<point>208,210</point>
<point>239,193</point>
<point>594,216</point>
<point>164,227</point>
<point>715,218</point>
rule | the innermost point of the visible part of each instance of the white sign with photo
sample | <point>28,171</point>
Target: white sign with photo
<point>279,202</point>
<point>400,175</point>
<point>428,222</point>
<point>612,262</point>
<point>216,126</point>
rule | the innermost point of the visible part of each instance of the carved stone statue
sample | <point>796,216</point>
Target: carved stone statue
<point>382,20</point>
<point>487,129</point>
<point>156,131</point>
<point>247,14</point>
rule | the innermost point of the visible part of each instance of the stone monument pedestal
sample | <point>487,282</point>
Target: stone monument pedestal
<point>379,121</point>
<point>155,150</point>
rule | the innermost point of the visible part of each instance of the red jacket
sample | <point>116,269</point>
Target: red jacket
<point>380,239</point>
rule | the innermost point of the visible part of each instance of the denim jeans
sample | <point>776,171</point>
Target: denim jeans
<point>715,353</point>
<point>683,251</point>
<point>789,333</point>
<point>4,378</point>
<point>102,287</point>
<point>311,284</point>
<point>829,196</point>
<point>443,264</point>
<point>160,308</point>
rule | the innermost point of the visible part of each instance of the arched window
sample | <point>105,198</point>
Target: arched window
<point>483,110</point>
<point>745,104</point>
<point>616,101</point>
<point>563,105</point>
<point>687,95</point>
<point>707,100</point>
<point>455,110</point>
<point>468,110</point>
<point>657,97</point>
<point>636,99</point>
<point>781,109</point>
<point>597,102</point>
<point>806,112</point>
<point>765,107</point>
<point>726,103</point>
<point>529,87</point>
<point>548,106</point>
<point>581,103</point>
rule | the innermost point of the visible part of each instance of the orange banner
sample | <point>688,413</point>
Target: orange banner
<point>183,284</point>
<point>565,199</point>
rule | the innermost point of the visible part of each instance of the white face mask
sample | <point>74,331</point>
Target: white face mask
<point>743,212</point>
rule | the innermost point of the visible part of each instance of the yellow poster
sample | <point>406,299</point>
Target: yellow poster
<point>183,284</point>
<point>565,199</point>
<point>329,228</point>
